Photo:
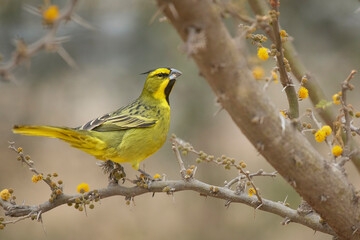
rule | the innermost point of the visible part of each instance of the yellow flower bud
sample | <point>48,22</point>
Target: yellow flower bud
<point>5,194</point>
<point>83,188</point>
<point>303,93</point>
<point>337,150</point>
<point>320,136</point>
<point>258,73</point>
<point>327,130</point>
<point>336,99</point>
<point>51,14</point>
<point>263,53</point>
<point>251,191</point>
<point>156,176</point>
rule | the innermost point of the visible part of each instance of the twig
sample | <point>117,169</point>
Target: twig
<point>28,162</point>
<point>175,148</point>
<point>354,129</point>
<point>243,174</point>
<point>284,77</point>
<point>156,14</point>
<point>17,219</point>
<point>345,86</point>
<point>251,175</point>
<point>319,126</point>
<point>48,41</point>
<point>230,8</point>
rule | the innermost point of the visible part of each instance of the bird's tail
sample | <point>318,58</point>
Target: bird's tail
<point>80,139</point>
<point>63,133</point>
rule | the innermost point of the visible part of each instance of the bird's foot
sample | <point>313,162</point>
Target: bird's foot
<point>115,170</point>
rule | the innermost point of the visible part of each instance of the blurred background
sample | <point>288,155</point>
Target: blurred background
<point>110,60</point>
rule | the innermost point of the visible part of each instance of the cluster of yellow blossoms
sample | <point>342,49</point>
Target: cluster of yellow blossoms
<point>321,135</point>
<point>37,178</point>
<point>303,93</point>
<point>336,98</point>
<point>5,194</point>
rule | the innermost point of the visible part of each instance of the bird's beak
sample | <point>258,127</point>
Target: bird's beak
<point>174,74</point>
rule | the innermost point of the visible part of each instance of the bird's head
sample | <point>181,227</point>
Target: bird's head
<point>160,82</point>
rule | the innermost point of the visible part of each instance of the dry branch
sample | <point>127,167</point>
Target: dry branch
<point>318,181</point>
<point>345,86</point>
<point>284,77</point>
<point>24,52</point>
<point>310,220</point>
<point>143,186</point>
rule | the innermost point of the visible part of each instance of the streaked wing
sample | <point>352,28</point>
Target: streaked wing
<point>110,122</point>
<point>94,123</point>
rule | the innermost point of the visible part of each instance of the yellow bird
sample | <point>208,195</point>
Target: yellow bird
<point>129,134</point>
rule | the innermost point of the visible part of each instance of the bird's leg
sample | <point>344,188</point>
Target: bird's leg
<point>118,172</point>
<point>115,171</point>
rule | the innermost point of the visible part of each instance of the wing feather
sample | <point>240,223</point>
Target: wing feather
<point>110,122</point>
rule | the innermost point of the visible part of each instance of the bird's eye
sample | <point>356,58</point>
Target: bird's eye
<point>160,75</point>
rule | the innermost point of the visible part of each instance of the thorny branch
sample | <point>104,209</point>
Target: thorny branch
<point>26,159</point>
<point>175,148</point>
<point>284,77</point>
<point>223,161</point>
<point>251,175</point>
<point>345,86</point>
<point>21,212</point>
<point>49,41</point>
